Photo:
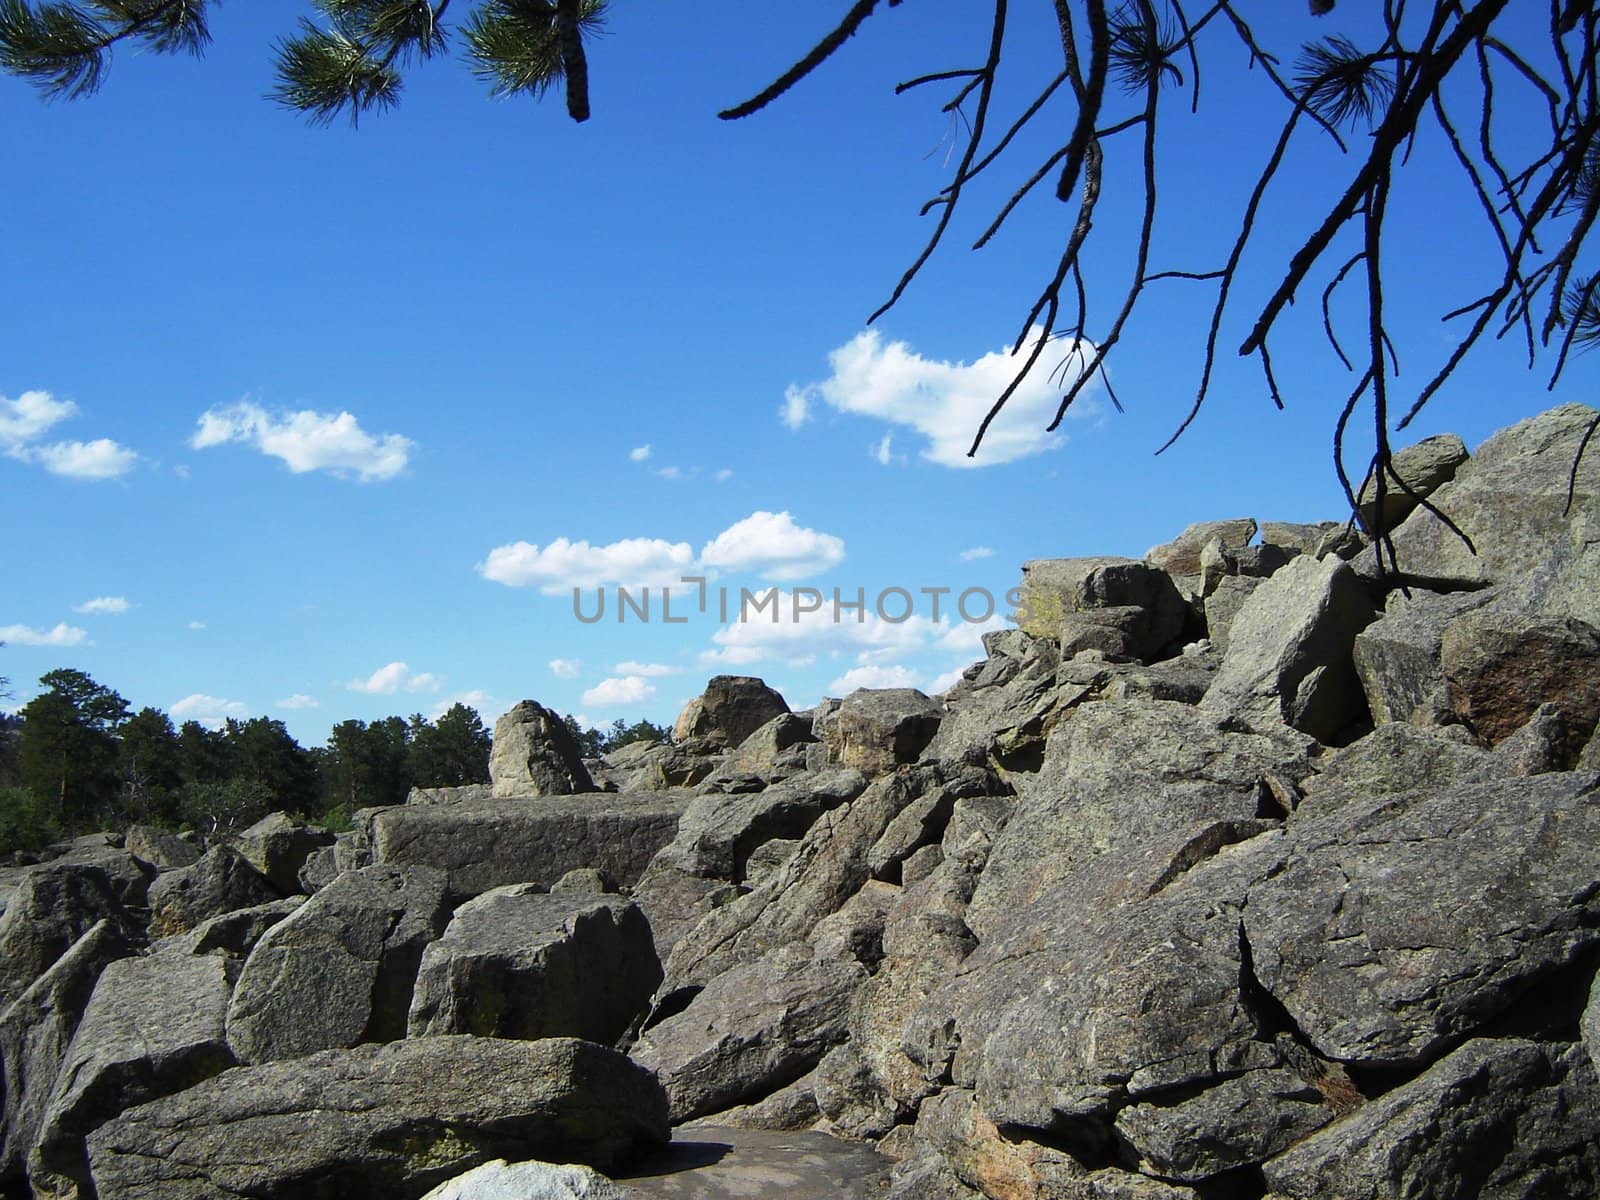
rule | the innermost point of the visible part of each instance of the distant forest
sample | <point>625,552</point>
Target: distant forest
<point>77,758</point>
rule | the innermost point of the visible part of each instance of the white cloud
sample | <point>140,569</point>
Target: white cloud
<point>197,624</point>
<point>640,453</point>
<point>99,459</point>
<point>24,420</point>
<point>670,473</point>
<point>298,701</point>
<point>796,409</point>
<point>772,544</point>
<point>882,451</point>
<point>486,706</point>
<point>566,668</point>
<point>647,670</point>
<point>976,552</point>
<point>944,401</point>
<point>874,677</point>
<point>619,691</point>
<point>943,683</point>
<point>108,606</point>
<point>210,711</point>
<point>724,475</point>
<point>394,677</point>
<point>565,564</point>
<point>28,416</point>
<point>62,635</point>
<point>306,440</point>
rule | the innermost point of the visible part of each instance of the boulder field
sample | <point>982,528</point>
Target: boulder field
<point>1263,867</point>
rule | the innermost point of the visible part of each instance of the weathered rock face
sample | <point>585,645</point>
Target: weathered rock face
<point>1511,500</point>
<point>278,846</point>
<point>1443,907</point>
<point>730,709</point>
<point>52,908</point>
<point>1181,556</point>
<point>484,845</point>
<point>1289,654</point>
<point>718,833</point>
<point>1415,473</point>
<point>1500,668</point>
<point>36,1029</point>
<point>753,1029</point>
<point>1005,710</point>
<point>380,1121</point>
<point>154,1027</point>
<point>1398,656</point>
<point>535,754</point>
<point>220,882</point>
<point>877,729</point>
<point>1497,1118</point>
<point>1126,794</point>
<point>517,964</point>
<point>340,970</point>
<point>162,850</point>
<point>1136,602</point>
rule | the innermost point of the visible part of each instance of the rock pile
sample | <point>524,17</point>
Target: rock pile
<point>1254,868</point>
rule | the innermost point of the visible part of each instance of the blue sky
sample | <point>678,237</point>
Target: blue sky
<point>327,423</point>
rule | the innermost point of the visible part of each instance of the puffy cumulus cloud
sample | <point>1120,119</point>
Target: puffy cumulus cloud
<point>943,401</point>
<point>31,415</point>
<point>770,544</point>
<point>647,670</point>
<point>99,459</point>
<point>298,701</point>
<point>883,451</point>
<point>62,635</point>
<point>392,678</point>
<point>306,440</point>
<point>210,711</point>
<point>619,692</point>
<point>796,408</point>
<point>103,606</point>
<point>976,553</point>
<point>874,676</point>
<point>566,668</point>
<point>774,546</point>
<point>564,564</point>
<point>640,453</point>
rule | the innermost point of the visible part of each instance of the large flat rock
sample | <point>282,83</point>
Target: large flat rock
<point>486,844</point>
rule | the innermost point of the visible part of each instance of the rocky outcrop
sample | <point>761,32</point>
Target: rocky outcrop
<point>52,909</point>
<point>877,729</point>
<point>220,882</point>
<point>340,970</point>
<point>154,1026</point>
<point>730,709</point>
<point>1414,473</point>
<point>35,1031</point>
<point>515,963</point>
<point>278,846</point>
<point>1289,657</point>
<point>535,754</point>
<point>485,845</point>
<point>1124,607</point>
<point>380,1122</point>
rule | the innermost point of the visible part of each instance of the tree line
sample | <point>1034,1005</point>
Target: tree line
<point>77,758</point>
